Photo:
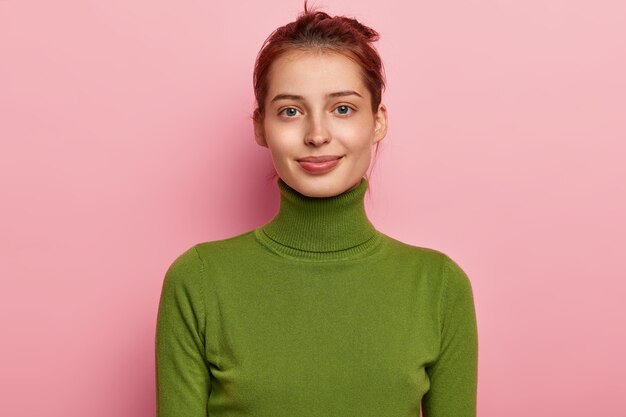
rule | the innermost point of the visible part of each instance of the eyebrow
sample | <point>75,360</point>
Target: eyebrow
<point>330,95</point>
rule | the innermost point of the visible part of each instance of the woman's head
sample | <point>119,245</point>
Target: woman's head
<point>299,72</point>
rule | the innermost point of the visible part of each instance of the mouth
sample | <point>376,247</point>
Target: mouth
<point>320,165</point>
<point>322,158</point>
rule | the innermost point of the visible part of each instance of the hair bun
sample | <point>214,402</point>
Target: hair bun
<point>370,34</point>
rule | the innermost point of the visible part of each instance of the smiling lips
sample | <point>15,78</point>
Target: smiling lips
<point>319,164</point>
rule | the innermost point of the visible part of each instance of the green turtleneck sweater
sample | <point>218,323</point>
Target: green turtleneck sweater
<point>315,313</point>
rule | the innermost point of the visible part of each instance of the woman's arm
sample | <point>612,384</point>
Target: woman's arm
<point>182,374</point>
<point>453,377</point>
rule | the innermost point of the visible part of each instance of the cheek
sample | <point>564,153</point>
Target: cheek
<point>277,135</point>
<point>282,142</point>
<point>358,138</point>
<point>281,130</point>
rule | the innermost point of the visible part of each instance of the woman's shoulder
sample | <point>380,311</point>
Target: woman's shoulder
<point>400,248</point>
<point>228,243</point>
<point>423,255</point>
<point>188,268</point>
<point>196,254</point>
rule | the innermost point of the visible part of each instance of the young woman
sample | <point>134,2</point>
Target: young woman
<point>317,313</point>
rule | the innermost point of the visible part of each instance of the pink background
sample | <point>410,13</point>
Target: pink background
<point>126,138</point>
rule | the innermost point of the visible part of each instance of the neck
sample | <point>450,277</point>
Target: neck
<point>320,227</point>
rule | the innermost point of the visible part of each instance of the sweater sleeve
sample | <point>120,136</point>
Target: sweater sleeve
<point>182,374</point>
<point>453,376</point>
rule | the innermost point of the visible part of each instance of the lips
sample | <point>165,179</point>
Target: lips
<point>322,158</point>
<point>320,164</point>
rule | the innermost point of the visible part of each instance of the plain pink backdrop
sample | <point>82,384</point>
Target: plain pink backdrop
<point>126,138</point>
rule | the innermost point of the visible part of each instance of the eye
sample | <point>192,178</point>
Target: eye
<point>291,111</point>
<point>344,110</point>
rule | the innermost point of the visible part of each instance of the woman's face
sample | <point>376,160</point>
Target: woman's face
<point>317,105</point>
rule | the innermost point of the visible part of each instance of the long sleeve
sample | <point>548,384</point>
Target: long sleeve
<point>453,376</point>
<point>182,374</point>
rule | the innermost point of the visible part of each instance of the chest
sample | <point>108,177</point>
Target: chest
<point>357,344</point>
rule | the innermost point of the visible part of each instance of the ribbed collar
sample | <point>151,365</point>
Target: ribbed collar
<point>320,228</point>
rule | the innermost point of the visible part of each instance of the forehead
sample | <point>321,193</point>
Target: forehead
<point>314,73</point>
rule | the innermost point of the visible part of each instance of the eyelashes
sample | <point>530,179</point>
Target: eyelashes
<point>346,107</point>
<point>282,112</point>
<point>343,107</point>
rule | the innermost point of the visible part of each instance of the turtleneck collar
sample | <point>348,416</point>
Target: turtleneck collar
<point>320,228</point>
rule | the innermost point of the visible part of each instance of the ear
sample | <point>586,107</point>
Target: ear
<point>380,125</point>
<point>259,131</point>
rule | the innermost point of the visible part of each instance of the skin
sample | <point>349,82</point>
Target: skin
<point>318,125</point>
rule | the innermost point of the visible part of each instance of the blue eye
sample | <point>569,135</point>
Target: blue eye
<point>291,113</point>
<point>344,107</point>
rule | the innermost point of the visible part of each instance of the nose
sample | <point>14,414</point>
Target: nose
<point>317,133</point>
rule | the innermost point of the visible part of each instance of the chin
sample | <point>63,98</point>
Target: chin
<point>322,188</point>
<point>324,185</point>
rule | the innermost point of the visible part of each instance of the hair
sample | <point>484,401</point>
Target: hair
<point>316,31</point>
